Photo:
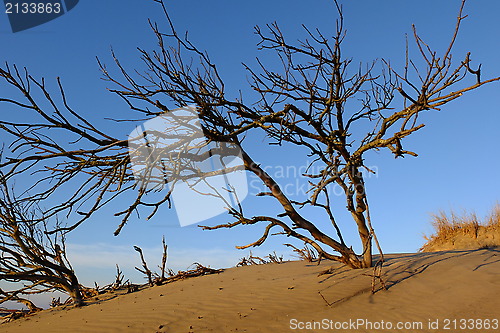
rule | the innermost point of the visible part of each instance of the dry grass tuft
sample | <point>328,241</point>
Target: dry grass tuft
<point>463,231</point>
<point>494,217</point>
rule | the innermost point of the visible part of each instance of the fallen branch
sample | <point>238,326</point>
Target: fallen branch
<point>199,270</point>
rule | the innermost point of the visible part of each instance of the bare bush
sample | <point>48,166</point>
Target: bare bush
<point>31,261</point>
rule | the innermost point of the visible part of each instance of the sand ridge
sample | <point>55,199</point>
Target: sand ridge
<point>274,298</point>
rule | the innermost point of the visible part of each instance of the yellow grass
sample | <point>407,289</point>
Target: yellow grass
<point>463,231</point>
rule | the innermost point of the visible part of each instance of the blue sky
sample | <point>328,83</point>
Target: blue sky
<point>458,154</point>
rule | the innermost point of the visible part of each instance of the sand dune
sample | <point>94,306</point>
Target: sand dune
<point>422,288</point>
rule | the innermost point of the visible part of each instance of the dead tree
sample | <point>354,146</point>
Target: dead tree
<point>317,100</point>
<point>31,261</point>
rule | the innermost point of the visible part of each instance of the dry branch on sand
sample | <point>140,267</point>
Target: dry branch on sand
<point>13,316</point>
<point>198,270</point>
<point>305,253</point>
<point>255,260</point>
<point>159,279</point>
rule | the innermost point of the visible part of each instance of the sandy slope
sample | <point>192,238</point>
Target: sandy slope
<point>275,298</point>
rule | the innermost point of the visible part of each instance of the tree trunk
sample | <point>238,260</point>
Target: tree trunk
<point>358,213</point>
<point>367,256</point>
<point>74,291</point>
<point>347,254</point>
